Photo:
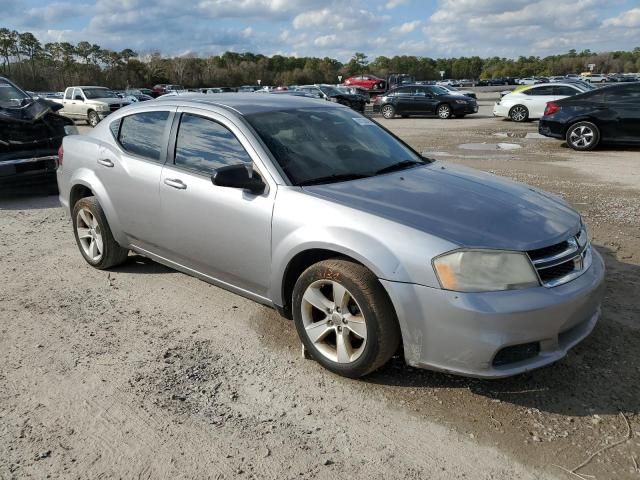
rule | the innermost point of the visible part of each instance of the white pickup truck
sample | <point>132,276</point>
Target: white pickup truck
<point>89,103</point>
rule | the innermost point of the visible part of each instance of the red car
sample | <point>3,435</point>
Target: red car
<point>370,82</point>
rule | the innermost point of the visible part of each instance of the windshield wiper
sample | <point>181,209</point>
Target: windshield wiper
<point>403,165</point>
<point>338,177</point>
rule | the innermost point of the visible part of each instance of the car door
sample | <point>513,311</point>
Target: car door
<point>423,100</point>
<point>129,168</point>
<point>405,100</point>
<point>69,103</point>
<point>625,104</point>
<point>220,232</point>
<point>536,99</point>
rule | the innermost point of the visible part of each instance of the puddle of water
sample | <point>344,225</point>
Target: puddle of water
<point>489,146</point>
<point>519,135</point>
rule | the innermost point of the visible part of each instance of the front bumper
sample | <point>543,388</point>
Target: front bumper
<point>500,110</point>
<point>27,169</point>
<point>463,333</point>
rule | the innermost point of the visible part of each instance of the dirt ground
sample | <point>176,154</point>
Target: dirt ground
<point>144,372</point>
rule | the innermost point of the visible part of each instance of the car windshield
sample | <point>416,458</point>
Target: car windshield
<point>327,90</point>
<point>326,145</point>
<point>11,96</point>
<point>99,93</point>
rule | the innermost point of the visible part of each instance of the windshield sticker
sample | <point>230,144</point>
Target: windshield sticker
<point>362,121</point>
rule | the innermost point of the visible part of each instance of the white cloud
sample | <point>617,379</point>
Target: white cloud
<point>325,41</point>
<point>391,4</point>
<point>628,19</point>
<point>407,27</point>
<point>339,19</point>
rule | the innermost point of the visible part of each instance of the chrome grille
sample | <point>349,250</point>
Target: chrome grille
<point>560,263</point>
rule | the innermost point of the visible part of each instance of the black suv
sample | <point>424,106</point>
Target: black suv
<point>424,100</point>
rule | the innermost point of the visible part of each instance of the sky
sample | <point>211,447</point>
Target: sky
<point>334,28</point>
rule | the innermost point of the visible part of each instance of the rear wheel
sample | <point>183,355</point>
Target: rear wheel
<point>94,237</point>
<point>344,318</point>
<point>388,111</point>
<point>519,113</point>
<point>444,111</point>
<point>583,136</point>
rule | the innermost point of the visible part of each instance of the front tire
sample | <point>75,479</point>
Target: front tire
<point>444,111</point>
<point>388,111</point>
<point>344,318</point>
<point>92,118</point>
<point>93,235</point>
<point>583,136</point>
<point>519,113</point>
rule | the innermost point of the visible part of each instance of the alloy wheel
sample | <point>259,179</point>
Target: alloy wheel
<point>518,113</point>
<point>444,111</point>
<point>388,111</point>
<point>581,136</point>
<point>333,321</point>
<point>89,235</point>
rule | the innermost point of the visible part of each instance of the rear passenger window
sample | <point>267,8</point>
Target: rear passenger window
<point>204,145</point>
<point>142,133</point>
<point>115,127</point>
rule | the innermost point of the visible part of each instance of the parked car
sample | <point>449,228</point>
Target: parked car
<point>353,90</point>
<point>30,134</point>
<point>529,103</point>
<point>595,78</point>
<point>249,88</point>
<point>609,115</point>
<point>332,94</point>
<point>456,91</point>
<point>501,81</point>
<point>398,79</point>
<point>424,100</point>
<point>164,88</point>
<point>320,213</point>
<point>134,96</point>
<point>90,103</point>
<point>369,82</point>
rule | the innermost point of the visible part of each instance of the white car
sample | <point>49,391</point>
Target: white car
<point>595,78</point>
<point>455,91</point>
<point>529,103</point>
<point>527,81</point>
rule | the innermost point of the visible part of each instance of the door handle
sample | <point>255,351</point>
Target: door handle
<point>106,162</point>
<point>175,183</point>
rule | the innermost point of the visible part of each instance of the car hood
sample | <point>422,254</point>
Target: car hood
<point>464,206</point>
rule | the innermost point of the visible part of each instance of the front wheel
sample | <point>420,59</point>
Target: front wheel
<point>92,118</point>
<point>344,318</point>
<point>519,113</point>
<point>388,111</point>
<point>444,111</point>
<point>94,237</point>
<point>583,136</point>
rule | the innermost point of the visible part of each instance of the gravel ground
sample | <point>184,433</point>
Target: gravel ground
<point>144,372</point>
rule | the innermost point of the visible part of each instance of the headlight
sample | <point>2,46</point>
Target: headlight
<point>71,130</point>
<point>102,108</point>
<point>464,102</point>
<point>484,271</point>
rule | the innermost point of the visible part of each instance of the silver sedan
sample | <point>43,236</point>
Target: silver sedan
<point>319,212</point>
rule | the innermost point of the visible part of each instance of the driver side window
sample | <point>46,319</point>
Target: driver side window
<point>204,145</point>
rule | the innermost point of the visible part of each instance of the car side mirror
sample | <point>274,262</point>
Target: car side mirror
<point>239,176</point>
<point>79,98</point>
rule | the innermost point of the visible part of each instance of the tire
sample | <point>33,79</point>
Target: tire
<point>89,220</point>
<point>329,335</point>
<point>583,136</point>
<point>444,111</point>
<point>519,113</point>
<point>92,118</point>
<point>388,111</point>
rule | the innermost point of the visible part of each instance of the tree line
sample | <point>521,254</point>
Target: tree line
<point>55,65</point>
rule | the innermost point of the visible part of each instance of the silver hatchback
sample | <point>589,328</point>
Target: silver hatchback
<point>319,212</point>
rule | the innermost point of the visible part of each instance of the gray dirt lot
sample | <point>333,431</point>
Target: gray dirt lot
<point>144,372</point>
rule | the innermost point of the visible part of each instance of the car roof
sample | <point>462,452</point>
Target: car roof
<point>245,103</point>
<point>88,86</point>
